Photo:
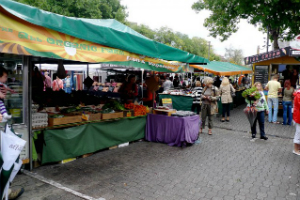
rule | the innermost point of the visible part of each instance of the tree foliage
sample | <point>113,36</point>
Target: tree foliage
<point>165,35</point>
<point>234,56</point>
<point>94,9</point>
<point>281,18</point>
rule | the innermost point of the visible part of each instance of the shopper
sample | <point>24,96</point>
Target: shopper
<point>296,118</point>
<point>225,91</point>
<point>287,103</point>
<point>273,87</point>
<point>197,91</point>
<point>167,84</point>
<point>246,81</point>
<point>294,78</point>
<point>217,82</point>
<point>261,107</point>
<point>129,90</point>
<point>176,82</point>
<point>209,103</point>
<point>286,74</point>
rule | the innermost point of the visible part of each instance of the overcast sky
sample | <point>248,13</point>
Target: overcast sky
<point>178,15</point>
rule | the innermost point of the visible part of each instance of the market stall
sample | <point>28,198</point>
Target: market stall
<point>174,131</point>
<point>67,125</point>
<point>183,100</point>
<point>180,102</point>
<point>282,61</point>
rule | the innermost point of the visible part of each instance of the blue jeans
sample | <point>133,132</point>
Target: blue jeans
<point>261,121</point>
<point>68,90</point>
<point>273,102</point>
<point>287,112</point>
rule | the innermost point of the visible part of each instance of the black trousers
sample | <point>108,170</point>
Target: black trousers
<point>225,109</point>
<point>196,106</point>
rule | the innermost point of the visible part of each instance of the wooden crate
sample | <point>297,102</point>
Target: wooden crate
<point>64,120</point>
<point>112,115</point>
<point>94,116</point>
<point>128,113</point>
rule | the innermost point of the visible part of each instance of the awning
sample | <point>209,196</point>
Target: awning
<point>23,38</point>
<point>223,68</point>
<point>109,32</point>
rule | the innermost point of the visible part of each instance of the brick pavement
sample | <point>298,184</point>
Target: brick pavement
<point>223,166</point>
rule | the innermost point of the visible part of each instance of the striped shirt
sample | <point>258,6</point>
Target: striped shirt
<point>197,92</point>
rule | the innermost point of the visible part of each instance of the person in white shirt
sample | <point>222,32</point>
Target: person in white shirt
<point>167,84</point>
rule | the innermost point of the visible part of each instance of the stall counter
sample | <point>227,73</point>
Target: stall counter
<point>76,141</point>
<point>179,102</point>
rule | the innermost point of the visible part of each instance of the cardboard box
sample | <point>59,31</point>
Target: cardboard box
<point>112,115</point>
<point>65,120</point>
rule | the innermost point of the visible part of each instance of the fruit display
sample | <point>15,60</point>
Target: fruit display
<point>139,110</point>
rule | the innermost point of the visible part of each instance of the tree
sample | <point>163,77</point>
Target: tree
<point>93,9</point>
<point>234,56</point>
<point>280,18</point>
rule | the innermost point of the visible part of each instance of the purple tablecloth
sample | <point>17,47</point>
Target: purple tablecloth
<point>173,131</point>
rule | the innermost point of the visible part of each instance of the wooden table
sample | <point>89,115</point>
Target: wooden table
<point>164,112</point>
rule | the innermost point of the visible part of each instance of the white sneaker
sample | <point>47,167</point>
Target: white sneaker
<point>296,153</point>
<point>6,116</point>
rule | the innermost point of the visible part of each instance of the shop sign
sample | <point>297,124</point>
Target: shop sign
<point>268,56</point>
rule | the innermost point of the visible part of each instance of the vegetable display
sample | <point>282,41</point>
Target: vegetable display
<point>139,110</point>
<point>114,105</point>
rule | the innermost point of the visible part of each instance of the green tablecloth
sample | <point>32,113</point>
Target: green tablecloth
<point>179,102</point>
<point>72,142</point>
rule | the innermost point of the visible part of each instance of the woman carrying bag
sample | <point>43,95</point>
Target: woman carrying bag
<point>227,92</point>
<point>209,106</point>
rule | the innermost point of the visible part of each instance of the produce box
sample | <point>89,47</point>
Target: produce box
<point>65,120</point>
<point>112,115</point>
<point>93,116</point>
<point>128,113</point>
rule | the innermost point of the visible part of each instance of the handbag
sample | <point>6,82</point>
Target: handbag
<point>232,93</point>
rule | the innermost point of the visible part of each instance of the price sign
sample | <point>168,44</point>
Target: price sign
<point>261,75</point>
<point>167,103</point>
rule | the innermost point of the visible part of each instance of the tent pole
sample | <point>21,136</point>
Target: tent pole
<point>27,67</point>
<point>88,70</point>
<point>142,86</point>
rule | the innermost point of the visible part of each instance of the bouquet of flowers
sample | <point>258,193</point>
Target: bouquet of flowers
<point>251,94</point>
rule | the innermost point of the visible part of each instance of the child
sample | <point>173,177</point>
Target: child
<point>262,107</point>
<point>3,79</point>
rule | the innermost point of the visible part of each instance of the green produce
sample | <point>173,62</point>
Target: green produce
<point>56,116</point>
<point>251,94</point>
<point>69,110</point>
<point>107,110</point>
<point>115,105</point>
<point>86,109</point>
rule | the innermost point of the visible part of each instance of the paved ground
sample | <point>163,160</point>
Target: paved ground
<point>223,166</point>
